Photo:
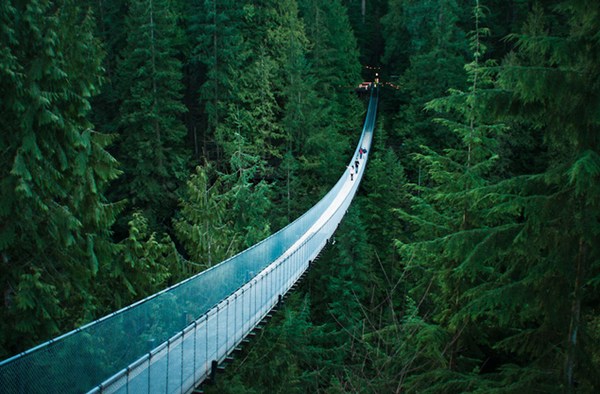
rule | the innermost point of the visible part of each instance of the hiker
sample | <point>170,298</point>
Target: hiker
<point>351,172</point>
<point>356,164</point>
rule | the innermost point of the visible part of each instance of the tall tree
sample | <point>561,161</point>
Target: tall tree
<point>426,48</point>
<point>152,144</point>
<point>55,233</point>
<point>552,80</point>
<point>218,47</point>
<point>507,265</point>
<point>457,237</point>
<point>333,57</point>
<point>202,225</point>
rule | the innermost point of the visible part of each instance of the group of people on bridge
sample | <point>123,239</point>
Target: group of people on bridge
<point>354,168</point>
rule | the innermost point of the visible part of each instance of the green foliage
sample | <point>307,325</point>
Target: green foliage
<point>342,301</point>
<point>383,192</point>
<point>151,146</point>
<point>248,199</point>
<point>334,56</point>
<point>499,261</point>
<point>218,45</point>
<point>203,226</point>
<point>145,264</point>
<point>286,357</point>
<point>426,49</point>
<point>55,235</point>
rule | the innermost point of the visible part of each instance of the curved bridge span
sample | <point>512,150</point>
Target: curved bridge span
<point>172,341</point>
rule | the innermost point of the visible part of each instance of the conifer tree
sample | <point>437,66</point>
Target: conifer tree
<point>551,83</point>
<point>333,57</point>
<point>55,235</point>
<point>217,46</point>
<point>295,363</point>
<point>152,147</point>
<point>111,30</point>
<point>203,225</point>
<point>302,112</point>
<point>146,262</point>
<point>426,40</point>
<point>248,196</point>
<point>507,261</point>
<point>457,237</point>
<point>254,113</point>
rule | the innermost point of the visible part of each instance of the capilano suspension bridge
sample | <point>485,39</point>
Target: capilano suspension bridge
<point>174,340</point>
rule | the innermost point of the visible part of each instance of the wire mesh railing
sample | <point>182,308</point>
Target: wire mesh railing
<point>170,341</point>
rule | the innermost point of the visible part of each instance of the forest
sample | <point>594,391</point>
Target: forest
<point>144,141</point>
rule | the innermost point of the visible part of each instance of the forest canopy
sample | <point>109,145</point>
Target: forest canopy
<point>144,141</point>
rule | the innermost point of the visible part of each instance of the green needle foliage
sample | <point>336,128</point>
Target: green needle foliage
<point>203,227</point>
<point>55,232</point>
<point>151,146</point>
<point>505,266</point>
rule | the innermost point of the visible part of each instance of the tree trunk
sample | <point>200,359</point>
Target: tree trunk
<point>363,9</point>
<point>571,356</point>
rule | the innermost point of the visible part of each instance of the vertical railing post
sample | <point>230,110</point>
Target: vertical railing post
<point>255,297</point>
<point>167,372</point>
<point>243,320</point>
<point>149,369</point>
<point>217,333</point>
<point>182,361</point>
<point>227,326</point>
<point>206,345</point>
<point>195,348</point>
<point>235,327</point>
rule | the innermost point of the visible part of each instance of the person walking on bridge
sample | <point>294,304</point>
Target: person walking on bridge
<point>351,172</point>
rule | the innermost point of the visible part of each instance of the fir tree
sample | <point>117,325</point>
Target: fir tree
<point>551,83</point>
<point>55,235</point>
<point>458,237</point>
<point>433,48</point>
<point>218,46</point>
<point>508,259</point>
<point>203,225</point>
<point>152,146</point>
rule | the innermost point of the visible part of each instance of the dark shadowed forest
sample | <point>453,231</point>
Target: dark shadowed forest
<point>144,141</point>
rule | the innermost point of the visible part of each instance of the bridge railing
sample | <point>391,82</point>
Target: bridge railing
<point>170,340</point>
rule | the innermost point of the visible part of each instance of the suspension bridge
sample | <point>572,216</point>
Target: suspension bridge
<point>174,340</point>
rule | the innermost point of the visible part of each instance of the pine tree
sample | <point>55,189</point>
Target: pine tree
<point>459,237</point>
<point>551,83</point>
<point>55,235</point>
<point>432,46</point>
<point>146,263</point>
<point>508,259</point>
<point>219,48</point>
<point>203,225</point>
<point>152,144</point>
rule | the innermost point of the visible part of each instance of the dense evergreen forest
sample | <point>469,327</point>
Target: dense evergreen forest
<point>144,141</point>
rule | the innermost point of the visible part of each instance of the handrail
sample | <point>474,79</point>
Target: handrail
<point>172,338</point>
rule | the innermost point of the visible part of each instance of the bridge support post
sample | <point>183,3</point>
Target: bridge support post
<point>213,371</point>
